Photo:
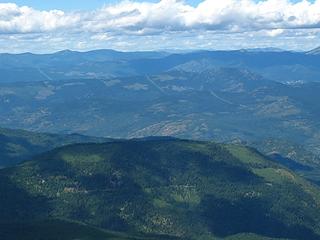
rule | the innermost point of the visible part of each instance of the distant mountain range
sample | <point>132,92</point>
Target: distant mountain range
<point>268,49</point>
<point>277,65</point>
<point>189,101</point>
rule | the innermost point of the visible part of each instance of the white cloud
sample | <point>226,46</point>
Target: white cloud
<point>166,15</point>
<point>129,18</point>
<point>15,19</point>
<point>215,15</point>
<point>275,32</point>
<point>101,37</point>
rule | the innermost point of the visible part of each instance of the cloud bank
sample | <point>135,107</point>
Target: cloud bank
<point>127,19</point>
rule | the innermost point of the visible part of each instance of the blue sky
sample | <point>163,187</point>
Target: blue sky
<point>85,4</point>
<point>47,26</point>
<point>76,4</point>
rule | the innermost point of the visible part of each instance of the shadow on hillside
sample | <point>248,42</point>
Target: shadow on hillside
<point>14,150</point>
<point>230,173</point>
<point>289,163</point>
<point>225,218</point>
<point>18,205</point>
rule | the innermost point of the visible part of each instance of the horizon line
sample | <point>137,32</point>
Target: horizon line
<point>172,51</point>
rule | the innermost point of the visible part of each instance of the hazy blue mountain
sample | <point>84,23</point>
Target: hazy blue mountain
<point>274,64</point>
<point>184,189</point>
<point>266,49</point>
<point>315,51</point>
<point>220,103</point>
<point>277,66</point>
<point>69,64</point>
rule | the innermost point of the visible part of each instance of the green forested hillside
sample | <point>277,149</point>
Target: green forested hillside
<point>186,189</point>
<point>18,145</point>
<point>292,155</point>
<point>56,229</point>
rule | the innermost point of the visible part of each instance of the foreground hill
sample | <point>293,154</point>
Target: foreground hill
<point>65,230</point>
<point>54,229</point>
<point>187,189</point>
<point>19,145</point>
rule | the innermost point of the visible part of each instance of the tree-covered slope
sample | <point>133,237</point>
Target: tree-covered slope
<point>18,145</point>
<point>187,189</point>
<point>293,156</point>
<point>218,103</point>
<point>57,229</point>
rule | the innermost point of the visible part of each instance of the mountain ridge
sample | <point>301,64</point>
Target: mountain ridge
<point>281,66</point>
<point>315,51</point>
<point>18,145</point>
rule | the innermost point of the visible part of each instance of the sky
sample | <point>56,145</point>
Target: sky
<point>66,5</point>
<point>70,5</point>
<point>43,26</point>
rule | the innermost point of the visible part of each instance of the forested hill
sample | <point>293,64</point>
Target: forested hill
<point>19,145</point>
<point>185,189</point>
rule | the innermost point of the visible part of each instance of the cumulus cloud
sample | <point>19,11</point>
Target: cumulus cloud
<point>131,18</point>
<point>15,19</point>
<point>166,15</point>
<point>275,32</point>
